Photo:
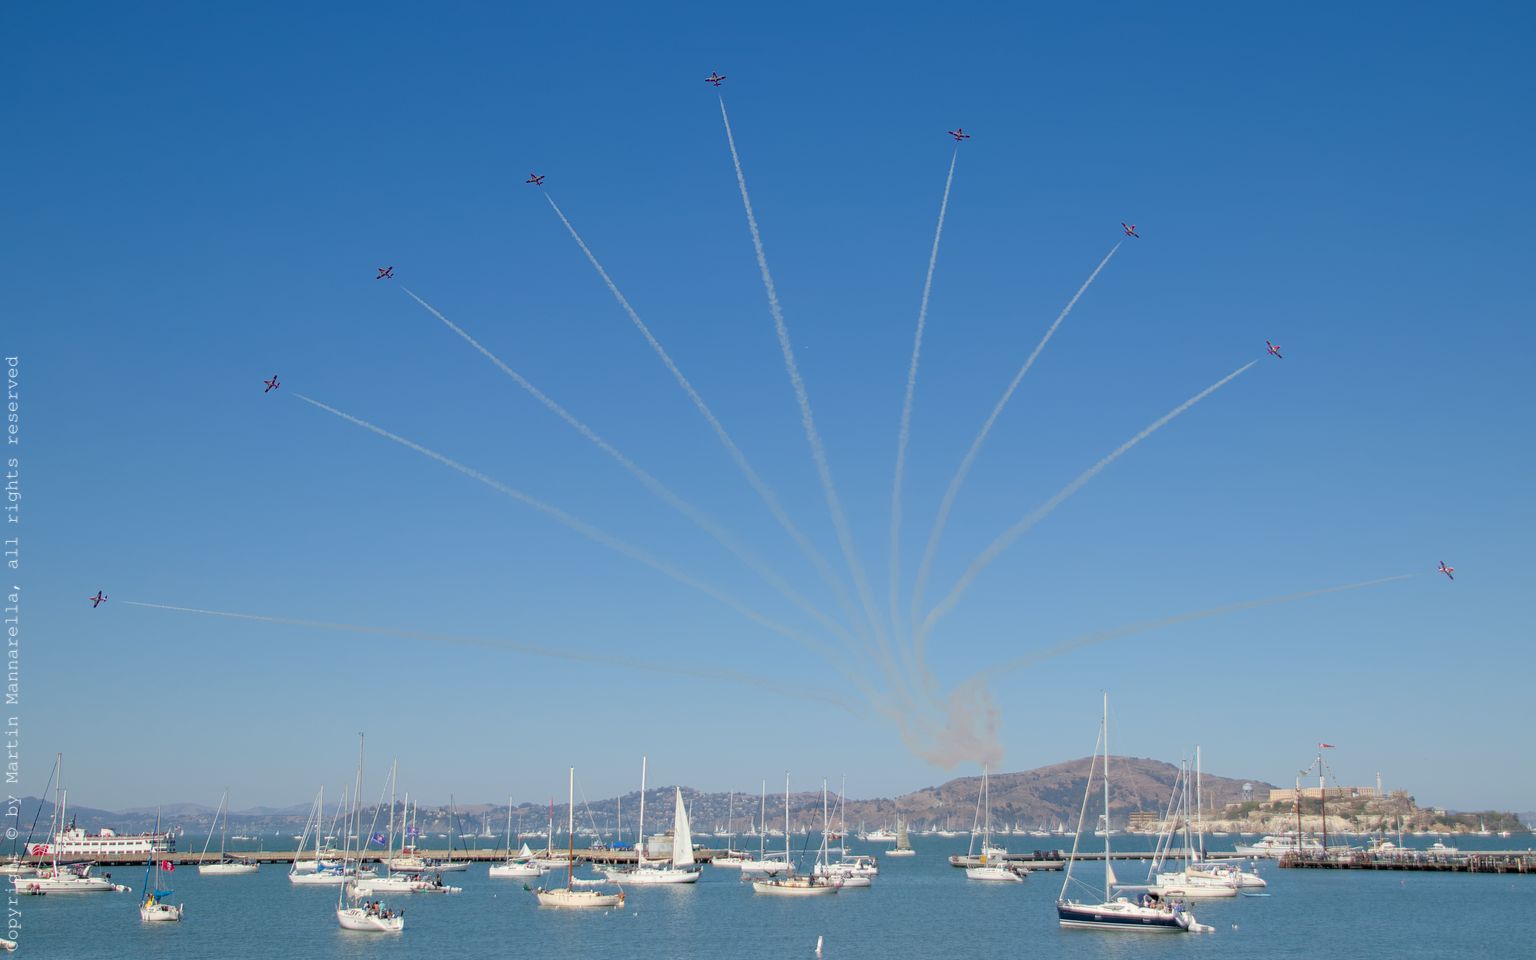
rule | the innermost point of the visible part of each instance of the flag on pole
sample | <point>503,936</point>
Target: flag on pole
<point>1325,746</point>
<point>377,838</point>
<point>167,866</point>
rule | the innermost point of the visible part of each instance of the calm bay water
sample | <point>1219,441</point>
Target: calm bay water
<point>918,907</point>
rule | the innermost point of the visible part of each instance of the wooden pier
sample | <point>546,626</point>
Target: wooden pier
<point>1488,861</point>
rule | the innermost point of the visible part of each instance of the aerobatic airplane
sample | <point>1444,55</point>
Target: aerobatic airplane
<point>271,384</point>
<point>1130,229</point>
<point>535,179</point>
<point>1274,349</point>
<point>959,134</point>
<point>96,601</point>
<point>1446,570</point>
<point>715,78</point>
<point>386,273</point>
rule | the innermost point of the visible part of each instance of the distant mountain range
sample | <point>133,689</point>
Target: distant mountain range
<point>1044,797</point>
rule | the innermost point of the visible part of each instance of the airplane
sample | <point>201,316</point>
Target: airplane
<point>1274,349</point>
<point>715,78</point>
<point>1446,570</point>
<point>1130,229</point>
<point>386,273</point>
<point>96,600</point>
<point>535,179</point>
<point>271,384</point>
<point>959,134</point>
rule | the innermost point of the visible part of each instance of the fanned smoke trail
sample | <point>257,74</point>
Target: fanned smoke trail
<point>904,434</point>
<point>931,551</point>
<point>1044,510</point>
<point>769,498</point>
<point>807,420</point>
<point>1143,626</point>
<point>529,649</point>
<point>656,487</point>
<point>601,537</point>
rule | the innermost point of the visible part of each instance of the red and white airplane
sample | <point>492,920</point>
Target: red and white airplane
<point>271,384</point>
<point>715,78</point>
<point>386,273</point>
<point>959,134</point>
<point>1446,570</point>
<point>96,601</point>
<point>1274,348</point>
<point>1130,229</point>
<point>535,179</point>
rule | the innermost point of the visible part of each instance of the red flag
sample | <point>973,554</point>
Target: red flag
<point>1325,746</point>
<point>167,866</point>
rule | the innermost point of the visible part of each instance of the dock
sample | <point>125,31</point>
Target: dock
<point>1482,861</point>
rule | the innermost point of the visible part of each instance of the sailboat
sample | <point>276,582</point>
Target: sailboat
<point>569,895</point>
<point>320,873</point>
<point>521,866</point>
<point>226,865</point>
<point>903,843</point>
<point>64,877</point>
<point>1191,882</point>
<point>731,857</point>
<point>766,864</point>
<point>991,866</point>
<point>791,885</point>
<point>854,869</point>
<point>683,868</point>
<point>1151,914</point>
<point>363,916</point>
<point>154,908</point>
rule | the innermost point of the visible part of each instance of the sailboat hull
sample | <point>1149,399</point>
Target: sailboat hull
<point>796,887</point>
<point>227,869</point>
<point>1120,915</point>
<point>160,912</point>
<point>654,876</point>
<point>517,871</point>
<point>994,874</point>
<point>579,898</point>
<point>356,918</point>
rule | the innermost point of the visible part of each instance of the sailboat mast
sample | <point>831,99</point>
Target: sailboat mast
<point>762,824</point>
<point>786,821</point>
<point>570,831</point>
<point>1108,871</point>
<point>640,837</point>
<point>1199,821</point>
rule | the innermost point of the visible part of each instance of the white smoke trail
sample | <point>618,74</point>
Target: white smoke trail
<point>656,487</point>
<point>958,480</point>
<point>807,420</point>
<point>1143,626</point>
<point>769,498</point>
<point>1044,510</point>
<point>529,649</point>
<point>904,434</point>
<point>601,537</point>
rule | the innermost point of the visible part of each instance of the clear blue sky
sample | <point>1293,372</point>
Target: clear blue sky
<point>199,196</point>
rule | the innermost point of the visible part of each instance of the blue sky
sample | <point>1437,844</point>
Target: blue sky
<point>200,198</point>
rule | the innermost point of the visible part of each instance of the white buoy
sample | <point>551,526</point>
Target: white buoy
<point>818,946</point>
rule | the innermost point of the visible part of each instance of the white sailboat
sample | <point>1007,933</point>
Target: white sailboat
<point>854,869</point>
<point>767,864</point>
<point>1150,914</point>
<point>1189,883</point>
<point>903,842</point>
<point>570,895</point>
<point>991,866</point>
<point>519,867</point>
<point>63,877</point>
<point>319,872</point>
<point>226,865</point>
<point>353,911</point>
<point>154,906</point>
<point>790,885</point>
<point>649,872</point>
<point>731,857</point>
